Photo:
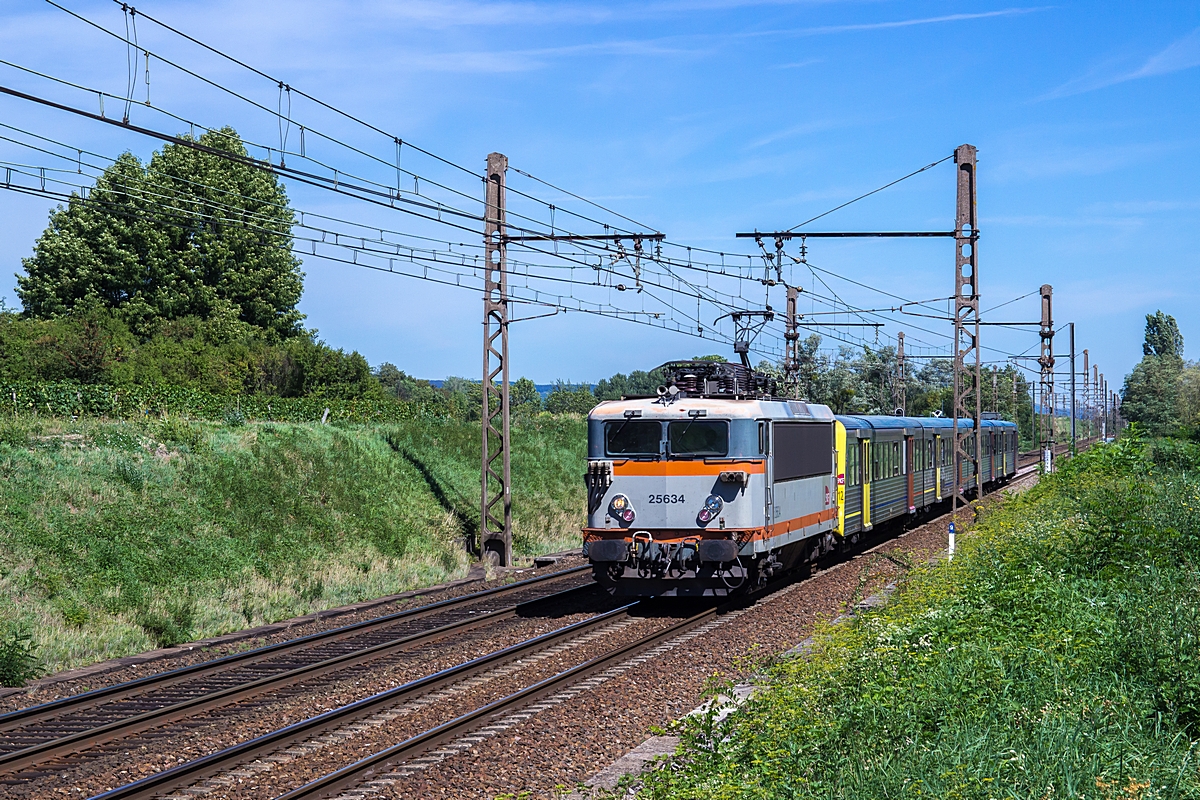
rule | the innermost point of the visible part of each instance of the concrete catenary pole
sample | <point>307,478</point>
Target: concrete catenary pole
<point>967,388</point>
<point>495,527</point>
<point>1046,361</point>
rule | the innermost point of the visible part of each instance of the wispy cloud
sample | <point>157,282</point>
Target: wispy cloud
<point>808,62</point>
<point>1043,163</point>
<point>1179,55</point>
<point>524,60</point>
<point>822,30</point>
<point>489,61</point>
<point>815,126</point>
<point>467,13</point>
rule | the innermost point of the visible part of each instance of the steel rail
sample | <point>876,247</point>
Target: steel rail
<point>406,750</point>
<point>198,769</point>
<point>80,740</point>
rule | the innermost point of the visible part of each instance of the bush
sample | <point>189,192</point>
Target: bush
<point>178,431</point>
<point>1054,657</point>
<point>19,663</point>
<point>173,626</point>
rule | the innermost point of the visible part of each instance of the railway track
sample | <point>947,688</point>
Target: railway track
<point>229,764</point>
<point>34,737</point>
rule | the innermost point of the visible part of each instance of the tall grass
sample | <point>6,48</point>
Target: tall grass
<point>118,536</point>
<point>1055,657</point>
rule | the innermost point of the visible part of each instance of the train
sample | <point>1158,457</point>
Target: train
<point>714,485</point>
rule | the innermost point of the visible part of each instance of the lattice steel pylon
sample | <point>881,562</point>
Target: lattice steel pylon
<point>967,387</point>
<point>495,518</point>
<point>1046,361</point>
<point>899,391</point>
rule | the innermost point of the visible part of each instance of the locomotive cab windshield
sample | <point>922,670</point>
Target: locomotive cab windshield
<point>697,438</point>
<point>685,438</point>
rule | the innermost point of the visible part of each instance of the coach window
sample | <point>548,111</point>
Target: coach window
<point>895,458</point>
<point>632,437</point>
<point>698,438</point>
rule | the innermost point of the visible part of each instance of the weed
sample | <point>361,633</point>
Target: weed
<point>180,432</point>
<point>19,663</point>
<point>130,471</point>
<point>13,434</point>
<point>169,627</point>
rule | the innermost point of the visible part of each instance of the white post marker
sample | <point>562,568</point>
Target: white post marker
<point>950,554</point>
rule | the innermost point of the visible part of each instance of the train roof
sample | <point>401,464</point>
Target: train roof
<point>856,422</point>
<point>721,408</point>
<point>772,408</point>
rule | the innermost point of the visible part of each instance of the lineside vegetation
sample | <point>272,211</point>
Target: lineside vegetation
<point>120,537</point>
<point>1056,656</point>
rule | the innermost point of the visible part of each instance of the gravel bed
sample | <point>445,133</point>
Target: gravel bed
<point>558,748</point>
<point>276,778</point>
<point>128,759</point>
<point>117,671</point>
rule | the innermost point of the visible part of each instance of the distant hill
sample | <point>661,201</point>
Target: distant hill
<point>544,389</point>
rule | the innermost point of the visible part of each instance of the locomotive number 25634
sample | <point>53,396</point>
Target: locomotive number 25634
<point>666,498</point>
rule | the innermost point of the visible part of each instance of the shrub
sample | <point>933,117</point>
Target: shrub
<point>173,626</point>
<point>19,663</point>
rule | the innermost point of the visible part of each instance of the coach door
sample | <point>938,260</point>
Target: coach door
<point>907,467</point>
<point>992,456</point>
<point>867,474</point>
<point>937,465</point>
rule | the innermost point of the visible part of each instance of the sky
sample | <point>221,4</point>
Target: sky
<point>699,119</point>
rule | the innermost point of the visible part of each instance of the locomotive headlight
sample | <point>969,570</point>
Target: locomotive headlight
<point>712,507</point>
<point>621,508</point>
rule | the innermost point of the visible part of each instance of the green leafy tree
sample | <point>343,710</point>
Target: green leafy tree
<point>1162,336</point>
<point>524,396</point>
<point>191,234</point>
<point>1151,396</point>
<point>635,384</point>
<point>567,399</point>
<point>1189,396</point>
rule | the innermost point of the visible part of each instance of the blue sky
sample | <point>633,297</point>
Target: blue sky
<point>701,118</point>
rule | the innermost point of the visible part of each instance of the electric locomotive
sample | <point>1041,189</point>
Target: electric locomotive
<point>715,485</point>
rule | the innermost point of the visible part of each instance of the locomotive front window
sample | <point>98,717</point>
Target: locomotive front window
<point>632,437</point>
<point>698,438</point>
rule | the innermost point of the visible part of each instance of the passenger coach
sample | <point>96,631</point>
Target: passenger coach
<point>714,485</point>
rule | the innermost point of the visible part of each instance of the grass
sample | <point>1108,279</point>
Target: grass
<point>1056,656</point>
<point>119,537</point>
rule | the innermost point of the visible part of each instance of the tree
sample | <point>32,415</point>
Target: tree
<point>524,396</point>
<point>1151,395</point>
<point>1162,336</point>
<point>191,234</point>
<point>638,383</point>
<point>566,399</point>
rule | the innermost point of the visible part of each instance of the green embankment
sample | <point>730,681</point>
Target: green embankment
<point>117,537</point>
<point>1056,656</point>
